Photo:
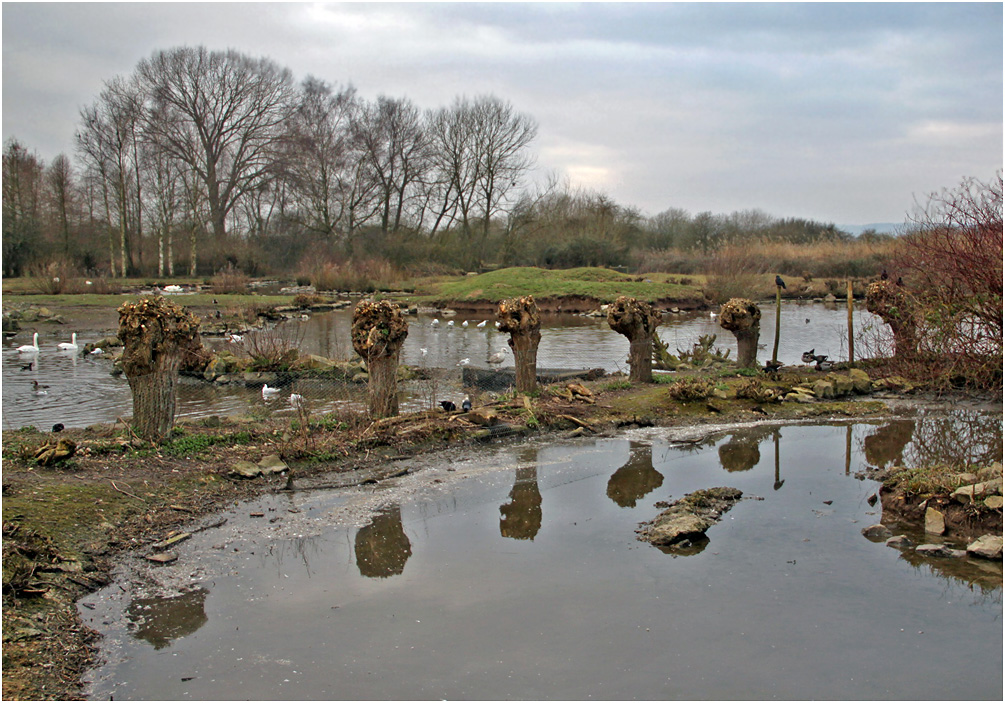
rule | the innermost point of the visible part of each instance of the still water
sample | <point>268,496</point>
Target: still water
<point>81,390</point>
<point>514,573</point>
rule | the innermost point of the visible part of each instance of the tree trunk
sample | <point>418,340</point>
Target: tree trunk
<point>638,322</point>
<point>741,317</point>
<point>378,332</point>
<point>521,319</point>
<point>157,335</point>
<point>893,305</point>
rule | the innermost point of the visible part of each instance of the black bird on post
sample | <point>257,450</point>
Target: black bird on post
<point>779,282</point>
<point>883,276</point>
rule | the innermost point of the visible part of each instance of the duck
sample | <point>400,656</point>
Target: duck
<point>30,366</point>
<point>268,391</point>
<point>824,365</point>
<point>30,348</point>
<point>772,366</point>
<point>498,357</point>
<point>448,405</point>
<point>38,387</point>
<point>482,324</point>
<point>58,427</point>
<point>69,346</point>
<point>811,357</point>
<point>466,404</point>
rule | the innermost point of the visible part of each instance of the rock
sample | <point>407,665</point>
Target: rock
<point>162,557</point>
<point>216,367</point>
<point>720,394</point>
<point>877,532</point>
<point>245,469</point>
<point>482,416</point>
<point>799,398</point>
<point>860,380</point>
<point>689,518</point>
<point>935,522</point>
<point>986,547</point>
<point>258,378</point>
<point>894,383</point>
<point>939,550</point>
<point>843,385</point>
<point>871,500</point>
<point>899,542</point>
<point>823,389</point>
<point>989,472</point>
<point>315,362</point>
<point>970,494</point>
<point>966,479</point>
<point>361,377</point>
<point>272,464</point>
<point>993,502</point>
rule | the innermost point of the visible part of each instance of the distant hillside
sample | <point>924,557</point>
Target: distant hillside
<point>880,227</point>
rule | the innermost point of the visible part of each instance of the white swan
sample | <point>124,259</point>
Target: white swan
<point>30,348</point>
<point>173,289</point>
<point>268,392</point>
<point>69,346</point>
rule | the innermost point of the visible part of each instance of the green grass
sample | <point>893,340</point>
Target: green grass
<point>602,284</point>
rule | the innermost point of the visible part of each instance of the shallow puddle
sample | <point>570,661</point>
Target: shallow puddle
<point>515,573</point>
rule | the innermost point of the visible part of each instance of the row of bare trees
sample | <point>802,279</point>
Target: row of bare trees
<point>216,147</point>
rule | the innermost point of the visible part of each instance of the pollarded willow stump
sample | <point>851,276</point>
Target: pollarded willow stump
<point>741,317</point>
<point>378,332</point>
<point>637,321</point>
<point>158,337</point>
<point>893,305</point>
<point>521,319</point>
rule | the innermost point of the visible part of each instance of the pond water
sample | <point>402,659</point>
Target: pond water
<point>81,390</point>
<point>515,573</point>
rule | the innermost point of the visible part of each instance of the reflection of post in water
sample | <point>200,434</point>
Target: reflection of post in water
<point>886,445</point>
<point>636,478</point>
<point>847,442</point>
<point>382,547</point>
<point>159,621</point>
<point>521,517</point>
<point>776,434</point>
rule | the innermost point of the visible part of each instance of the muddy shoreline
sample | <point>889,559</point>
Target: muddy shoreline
<point>145,496</point>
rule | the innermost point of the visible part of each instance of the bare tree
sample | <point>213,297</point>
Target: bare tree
<point>59,178</point>
<point>391,134</point>
<point>22,193</point>
<point>223,114</point>
<point>106,143</point>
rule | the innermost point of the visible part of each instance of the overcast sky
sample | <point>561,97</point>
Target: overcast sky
<point>837,112</point>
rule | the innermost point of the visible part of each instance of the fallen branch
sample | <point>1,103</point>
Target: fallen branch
<point>131,495</point>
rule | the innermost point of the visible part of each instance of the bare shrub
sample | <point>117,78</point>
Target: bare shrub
<point>54,278</point>
<point>354,275</point>
<point>230,279</point>
<point>274,348</point>
<point>689,389</point>
<point>305,300</point>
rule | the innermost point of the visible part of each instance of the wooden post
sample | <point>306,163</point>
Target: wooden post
<point>778,323</point>
<point>851,329</point>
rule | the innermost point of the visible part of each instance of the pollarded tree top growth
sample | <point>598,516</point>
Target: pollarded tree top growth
<point>629,316</point>
<point>378,329</point>
<point>152,328</point>
<point>739,315</point>
<point>519,315</point>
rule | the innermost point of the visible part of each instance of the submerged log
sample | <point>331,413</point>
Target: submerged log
<point>894,306</point>
<point>378,332</point>
<point>638,322</point>
<point>741,317</point>
<point>158,336</point>
<point>521,319</point>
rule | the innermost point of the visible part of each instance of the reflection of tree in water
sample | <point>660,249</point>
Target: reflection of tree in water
<point>886,445</point>
<point>382,547</point>
<point>159,621</point>
<point>964,438</point>
<point>636,478</point>
<point>740,452</point>
<point>981,578</point>
<point>521,517</point>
